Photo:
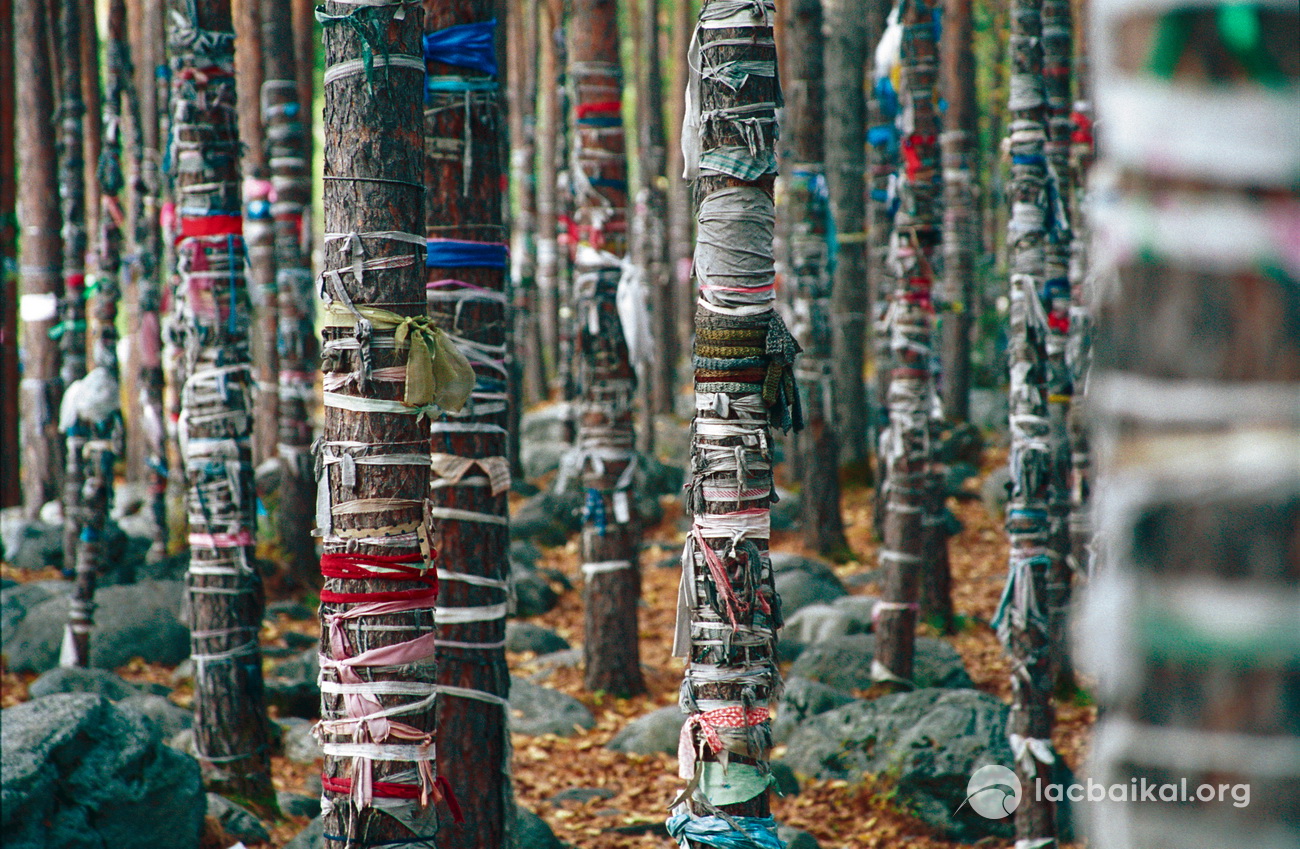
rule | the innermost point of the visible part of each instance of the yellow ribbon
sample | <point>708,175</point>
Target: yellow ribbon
<point>436,371</point>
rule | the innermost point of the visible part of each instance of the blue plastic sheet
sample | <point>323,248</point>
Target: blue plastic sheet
<point>758,832</point>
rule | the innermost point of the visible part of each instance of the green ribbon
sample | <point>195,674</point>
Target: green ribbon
<point>732,784</point>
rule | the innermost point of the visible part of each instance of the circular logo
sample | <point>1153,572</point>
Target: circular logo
<point>993,792</point>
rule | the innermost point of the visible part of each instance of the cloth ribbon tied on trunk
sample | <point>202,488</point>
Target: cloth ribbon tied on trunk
<point>709,722</point>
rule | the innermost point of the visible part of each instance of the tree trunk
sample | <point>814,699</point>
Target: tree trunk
<point>679,191</point>
<point>304,57</point>
<point>95,400</point>
<point>41,257</point>
<point>10,450</point>
<point>907,444</point>
<point>470,480</point>
<point>846,47</point>
<point>377,611</point>
<point>289,161</point>
<point>90,97</point>
<point>810,234</point>
<point>961,230</point>
<point>728,610</point>
<point>1191,623</point>
<point>524,32</point>
<point>225,592</point>
<point>605,453</point>
<point>259,226</point>
<point>71,329</point>
<point>649,226</point>
<point>548,130</point>
<point>882,160</point>
<point>1078,352</point>
<point>1021,622</point>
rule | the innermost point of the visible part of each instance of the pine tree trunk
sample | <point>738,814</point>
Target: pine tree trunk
<point>1191,622</point>
<point>40,258</point>
<point>10,450</point>
<point>288,151</point>
<point>90,97</point>
<point>910,478</point>
<point>225,592</point>
<point>728,610</point>
<point>304,57</point>
<point>548,130</point>
<point>470,477</point>
<point>259,227</point>
<point>71,329</point>
<point>846,47</point>
<point>650,224</point>
<point>679,191</point>
<point>810,234</point>
<point>524,33</point>
<point>379,777</point>
<point>882,160</point>
<point>605,453</point>
<point>1022,622</point>
<point>961,231</point>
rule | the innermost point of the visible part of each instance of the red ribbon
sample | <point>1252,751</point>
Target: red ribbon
<point>393,790</point>
<point>912,151</point>
<point>210,225</point>
<point>359,567</point>
<point>585,109</point>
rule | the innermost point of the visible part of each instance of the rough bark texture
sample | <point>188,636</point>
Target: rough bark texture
<point>91,99</point>
<point>846,46</point>
<point>611,533</point>
<point>548,123</point>
<point>41,256</point>
<point>1191,620</point>
<point>679,190</point>
<point>728,611</point>
<point>71,329</point>
<point>523,21</point>
<point>910,475</point>
<point>289,152</point>
<point>470,478</point>
<point>225,595</point>
<point>1022,620</point>
<point>10,484</point>
<point>882,159</point>
<point>810,234</point>
<point>961,225</point>
<point>374,184</point>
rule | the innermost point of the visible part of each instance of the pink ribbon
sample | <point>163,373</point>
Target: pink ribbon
<point>709,722</point>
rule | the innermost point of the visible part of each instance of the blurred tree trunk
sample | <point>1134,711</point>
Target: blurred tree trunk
<point>304,57</point>
<point>470,477</point>
<point>259,226</point>
<point>1022,620</point>
<point>548,130</point>
<point>10,485</point>
<point>225,593</point>
<point>679,191</point>
<point>910,476</point>
<point>91,98</point>
<point>961,231</point>
<point>728,611</point>
<point>378,603</point>
<point>846,53</point>
<point>523,56</point>
<point>1191,622</point>
<point>606,384</point>
<point>71,329</point>
<point>288,159</point>
<point>811,234</point>
<point>40,258</point>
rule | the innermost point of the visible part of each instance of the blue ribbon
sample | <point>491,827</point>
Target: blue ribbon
<point>757,832</point>
<point>453,253</point>
<point>470,46</point>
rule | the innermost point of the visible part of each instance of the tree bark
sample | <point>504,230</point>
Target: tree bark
<point>1193,397</point>
<point>71,329</point>
<point>606,383</point>
<point>225,592</point>
<point>523,23</point>
<point>40,258</point>
<point>846,46</point>
<point>907,444</point>
<point>810,234</point>
<point>728,610</point>
<point>548,131</point>
<point>373,461</point>
<point>10,449</point>
<point>679,191</point>
<point>289,152</point>
<point>961,231</point>
<point>470,480</point>
<point>1022,623</point>
<point>90,97</point>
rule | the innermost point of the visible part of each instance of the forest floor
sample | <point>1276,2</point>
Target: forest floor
<point>840,814</point>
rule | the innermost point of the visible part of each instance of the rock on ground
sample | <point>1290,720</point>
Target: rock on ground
<point>539,710</point>
<point>817,623</point>
<point>132,620</point>
<point>802,700</point>
<point>74,679</point>
<point>170,719</point>
<point>929,741</point>
<point>76,771</point>
<point>656,731</point>
<point>525,636</point>
<point>532,832</point>
<point>311,837</point>
<point>297,741</point>
<point>845,663</point>
<point>238,822</point>
<point>796,839</point>
<point>799,589</point>
<point>291,686</point>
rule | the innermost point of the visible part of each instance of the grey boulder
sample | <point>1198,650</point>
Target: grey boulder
<point>799,589</point>
<point>74,679</point>
<point>845,663</point>
<point>796,839</point>
<point>297,742</point>
<point>525,636</point>
<point>170,719</point>
<point>532,832</point>
<point>238,822</point>
<point>537,710</point>
<point>802,700</point>
<point>656,731</point>
<point>75,771</point>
